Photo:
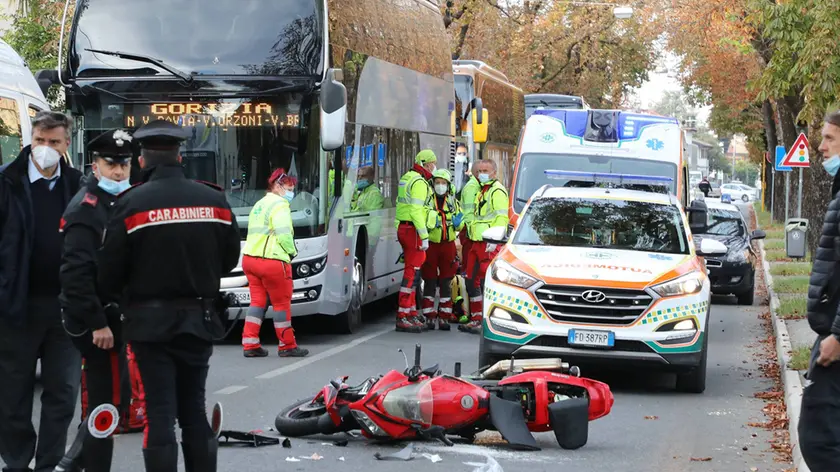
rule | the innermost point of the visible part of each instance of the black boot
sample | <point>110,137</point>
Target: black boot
<point>161,459</point>
<point>200,456</point>
<point>97,454</point>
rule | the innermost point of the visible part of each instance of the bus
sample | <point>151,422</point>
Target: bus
<point>328,90</point>
<point>20,100</point>
<point>598,141</point>
<point>481,88</point>
<point>535,101</point>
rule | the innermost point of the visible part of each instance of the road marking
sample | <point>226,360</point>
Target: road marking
<point>230,390</point>
<point>323,355</point>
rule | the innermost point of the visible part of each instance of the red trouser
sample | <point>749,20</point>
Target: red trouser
<point>414,258</point>
<point>438,270</point>
<point>466,244</point>
<point>478,261</point>
<point>268,278</point>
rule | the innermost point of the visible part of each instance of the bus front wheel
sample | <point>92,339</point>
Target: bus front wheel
<point>350,321</point>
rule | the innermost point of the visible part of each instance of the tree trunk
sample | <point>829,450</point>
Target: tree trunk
<point>772,141</point>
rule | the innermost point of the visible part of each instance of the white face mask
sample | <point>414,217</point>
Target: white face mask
<point>441,189</point>
<point>45,156</point>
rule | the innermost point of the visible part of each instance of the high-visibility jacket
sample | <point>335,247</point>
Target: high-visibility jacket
<point>368,199</point>
<point>491,209</point>
<point>270,231</point>
<point>346,190</point>
<point>468,194</point>
<point>444,213</point>
<point>414,202</point>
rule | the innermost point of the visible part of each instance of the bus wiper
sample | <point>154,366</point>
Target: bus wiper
<point>520,199</point>
<point>149,60</point>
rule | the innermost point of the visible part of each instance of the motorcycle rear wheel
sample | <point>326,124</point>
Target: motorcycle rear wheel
<point>299,418</point>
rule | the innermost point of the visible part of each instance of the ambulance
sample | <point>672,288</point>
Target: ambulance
<point>602,275</point>
<point>606,141</point>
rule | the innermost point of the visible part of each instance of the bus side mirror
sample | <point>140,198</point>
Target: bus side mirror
<point>333,110</point>
<point>479,125</point>
<point>46,78</point>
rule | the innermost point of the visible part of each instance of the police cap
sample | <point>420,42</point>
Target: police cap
<point>161,134</point>
<point>113,145</point>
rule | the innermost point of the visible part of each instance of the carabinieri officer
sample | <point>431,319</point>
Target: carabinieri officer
<point>167,246</point>
<point>95,329</point>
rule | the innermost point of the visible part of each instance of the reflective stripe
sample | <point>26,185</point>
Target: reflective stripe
<point>428,310</point>
<point>406,289</point>
<point>282,324</point>
<point>444,309</point>
<point>490,216</point>
<point>445,299</point>
<point>254,320</point>
<point>411,201</point>
<point>429,298</point>
<point>476,299</point>
<point>404,310</point>
<point>249,341</point>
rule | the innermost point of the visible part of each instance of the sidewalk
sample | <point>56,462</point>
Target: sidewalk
<point>787,286</point>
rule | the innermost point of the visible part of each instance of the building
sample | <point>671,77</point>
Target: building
<point>7,8</point>
<point>737,148</point>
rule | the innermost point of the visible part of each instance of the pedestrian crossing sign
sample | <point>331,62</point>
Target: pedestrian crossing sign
<point>799,154</point>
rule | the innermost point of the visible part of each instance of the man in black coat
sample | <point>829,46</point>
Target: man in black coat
<point>819,425</point>
<point>35,189</point>
<point>95,327</point>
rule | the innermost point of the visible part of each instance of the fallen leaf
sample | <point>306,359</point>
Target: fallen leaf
<point>701,459</point>
<point>651,417</point>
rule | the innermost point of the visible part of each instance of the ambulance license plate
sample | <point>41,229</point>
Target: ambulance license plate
<point>591,338</point>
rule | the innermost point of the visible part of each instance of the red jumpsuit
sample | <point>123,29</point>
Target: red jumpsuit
<point>268,278</point>
<point>441,266</point>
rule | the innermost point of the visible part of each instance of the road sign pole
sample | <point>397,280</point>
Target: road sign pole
<point>799,198</point>
<point>787,195</point>
<point>772,192</point>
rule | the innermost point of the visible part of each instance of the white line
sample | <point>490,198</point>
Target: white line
<point>230,390</point>
<point>323,355</point>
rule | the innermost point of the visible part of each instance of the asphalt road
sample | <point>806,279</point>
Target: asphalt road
<point>651,427</point>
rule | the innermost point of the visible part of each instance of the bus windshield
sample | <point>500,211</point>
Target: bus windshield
<point>200,37</point>
<point>532,166</point>
<point>235,144</point>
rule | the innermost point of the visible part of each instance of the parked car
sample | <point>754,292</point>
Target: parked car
<point>737,192</point>
<point>733,273</point>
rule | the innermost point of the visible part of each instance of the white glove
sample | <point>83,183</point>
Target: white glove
<point>424,245</point>
<point>491,247</point>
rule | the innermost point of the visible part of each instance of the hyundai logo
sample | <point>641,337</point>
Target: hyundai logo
<point>593,296</point>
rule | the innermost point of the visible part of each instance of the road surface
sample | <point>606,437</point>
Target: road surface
<point>651,427</point>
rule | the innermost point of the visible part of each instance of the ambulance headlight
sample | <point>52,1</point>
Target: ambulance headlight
<point>505,273</point>
<point>685,285</point>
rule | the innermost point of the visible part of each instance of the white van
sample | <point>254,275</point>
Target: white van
<point>20,100</point>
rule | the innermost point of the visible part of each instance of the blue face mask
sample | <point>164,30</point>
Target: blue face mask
<point>113,187</point>
<point>362,184</point>
<point>484,178</point>
<point>832,165</point>
<point>289,195</point>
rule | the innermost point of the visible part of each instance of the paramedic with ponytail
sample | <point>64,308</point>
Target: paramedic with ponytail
<point>267,262</point>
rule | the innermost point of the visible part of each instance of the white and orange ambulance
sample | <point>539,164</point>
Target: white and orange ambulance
<point>601,275</point>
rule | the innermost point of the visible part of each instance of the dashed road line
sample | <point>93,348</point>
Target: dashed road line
<point>230,390</point>
<point>328,353</point>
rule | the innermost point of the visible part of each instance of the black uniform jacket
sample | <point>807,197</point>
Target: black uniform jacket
<point>824,285</point>
<point>83,224</point>
<point>168,244</point>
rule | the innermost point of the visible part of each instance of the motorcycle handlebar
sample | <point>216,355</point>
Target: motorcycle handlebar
<point>417,355</point>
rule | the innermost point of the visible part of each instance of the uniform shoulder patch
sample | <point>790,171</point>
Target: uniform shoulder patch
<point>90,200</point>
<point>211,185</point>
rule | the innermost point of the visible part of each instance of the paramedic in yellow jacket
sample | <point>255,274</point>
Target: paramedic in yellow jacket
<point>346,187</point>
<point>367,198</point>
<point>414,200</point>
<point>490,211</point>
<point>468,194</point>
<point>267,262</point>
<point>441,265</point>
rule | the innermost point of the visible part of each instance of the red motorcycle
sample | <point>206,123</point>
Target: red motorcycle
<point>535,395</point>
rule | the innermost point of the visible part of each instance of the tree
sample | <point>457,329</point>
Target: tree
<point>673,103</point>
<point>35,37</point>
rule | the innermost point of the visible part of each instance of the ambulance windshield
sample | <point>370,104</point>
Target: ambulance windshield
<point>532,166</point>
<point>608,224</point>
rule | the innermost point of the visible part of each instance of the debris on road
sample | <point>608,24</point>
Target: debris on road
<point>490,466</point>
<point>314,457</point>
<point>651,417</point>
<point>287,443</point>
<point>341,458</point>
<point>701,459</point>
<point>292,459</point>
<point>406,454</point>
<point>432,457</point>
<point>341,443</point>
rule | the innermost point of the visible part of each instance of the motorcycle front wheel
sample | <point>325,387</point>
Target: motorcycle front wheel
<point>300,418</point>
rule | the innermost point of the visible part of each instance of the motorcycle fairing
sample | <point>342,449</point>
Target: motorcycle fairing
<point>508,419</point>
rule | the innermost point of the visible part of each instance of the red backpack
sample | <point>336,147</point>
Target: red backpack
<point>135,421</point>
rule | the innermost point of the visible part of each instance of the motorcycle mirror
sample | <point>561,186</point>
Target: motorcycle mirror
<point>457,369</point>
<point>417,355</point>
<point>404,357</point>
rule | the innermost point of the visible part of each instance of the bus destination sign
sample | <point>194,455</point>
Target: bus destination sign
<point>223,115</point>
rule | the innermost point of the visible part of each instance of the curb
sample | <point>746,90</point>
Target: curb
<point>790,378</point>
